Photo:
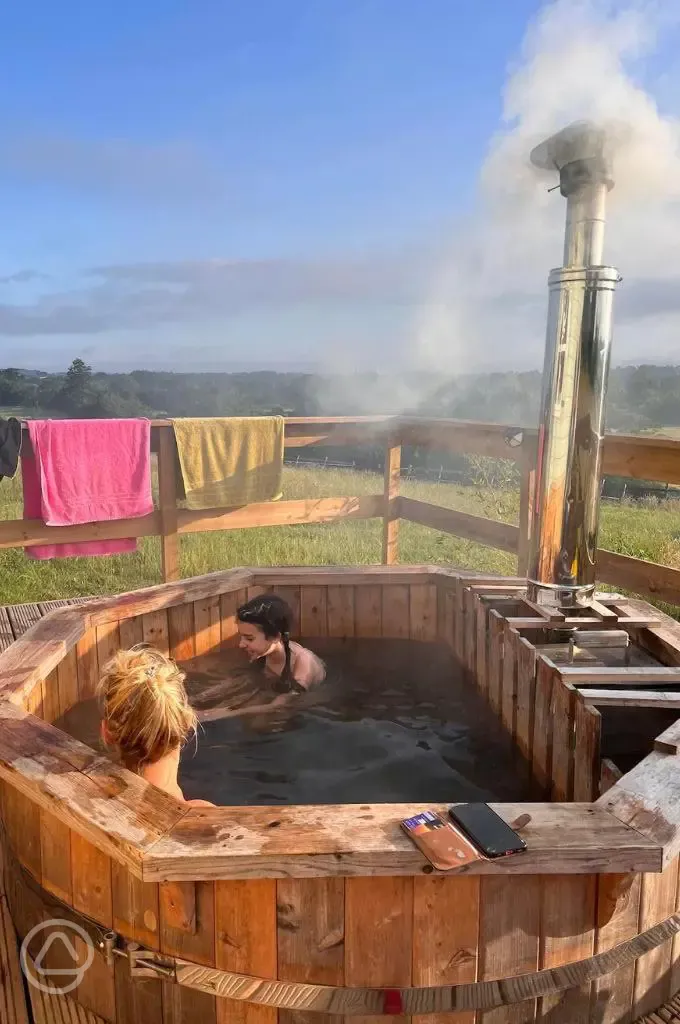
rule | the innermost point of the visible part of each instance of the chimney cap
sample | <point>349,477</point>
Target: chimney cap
<point>581,153</point>
<point>581,140</point>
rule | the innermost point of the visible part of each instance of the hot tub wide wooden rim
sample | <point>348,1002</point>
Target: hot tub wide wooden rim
<point>632,828</point>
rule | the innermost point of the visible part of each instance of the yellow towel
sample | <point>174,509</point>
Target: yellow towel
<point>229,462</point>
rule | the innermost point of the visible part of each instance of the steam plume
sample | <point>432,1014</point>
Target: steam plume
<point>581,59</point>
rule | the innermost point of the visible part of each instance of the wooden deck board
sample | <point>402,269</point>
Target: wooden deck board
<point>6,631</point>
<point>15,619</point>
<point>669,1013</point>
<point>13,1009</point>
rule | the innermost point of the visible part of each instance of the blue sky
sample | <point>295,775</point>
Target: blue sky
<point>219,183</point>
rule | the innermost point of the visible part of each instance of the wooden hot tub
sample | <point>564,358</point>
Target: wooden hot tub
<point>336,897</point>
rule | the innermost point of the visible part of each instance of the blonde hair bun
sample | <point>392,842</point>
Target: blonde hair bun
<point>145,705</point>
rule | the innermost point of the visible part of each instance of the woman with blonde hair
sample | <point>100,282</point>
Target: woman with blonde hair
<point>146,716</point>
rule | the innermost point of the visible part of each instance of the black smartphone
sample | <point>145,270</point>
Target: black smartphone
<point>486,830</point>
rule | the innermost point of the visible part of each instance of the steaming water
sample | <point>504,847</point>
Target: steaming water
<point>394,722</point>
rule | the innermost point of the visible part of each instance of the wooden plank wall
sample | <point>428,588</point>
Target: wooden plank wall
<point>383,932</point>
<point>556,732</point>
<point>354,931</point>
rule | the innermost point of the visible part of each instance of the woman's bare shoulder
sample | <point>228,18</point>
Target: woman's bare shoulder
<point>307,668</point>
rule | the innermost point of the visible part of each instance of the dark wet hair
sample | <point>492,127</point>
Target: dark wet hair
<point>273,616</point>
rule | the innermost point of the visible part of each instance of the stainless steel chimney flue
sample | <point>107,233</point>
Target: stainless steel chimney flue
<point>567,490</point>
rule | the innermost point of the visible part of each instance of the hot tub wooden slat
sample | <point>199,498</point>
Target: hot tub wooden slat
<point>546,677</point>
<point>423,612</point>
<point>108,643</point>
<point>197,944</point>
<point>50,697</point>
<point>395,611</point>
<point>186,1006</point>
<point>135,907</point>
<point>207,625</point>
<point>67,681</point>
<point>21,820</point>
<point>311,937</point>
<point>181,632</point>
<point>245,926</point>
<point>55,846</point>
<point>509,682</point>
<point>181,1006</point>
<point>482,645</point>
<point>179,906</point>
<point>562,715</point>
<point>229,604</point>
<point>509,939</point>
<point>587,732</point>
<point>367,611</point>
<point>469,633</point>
<point>495,661</point>
<point>92,895</point>
<point>618,912</point>
<point>379,935</point>
<point>137,1003</point>
<point>131,633</point>
<point>313,611</point>
<point>291,595</point>
<point>652,972</point>
<point>340,611</point>
<point>88,671</point>
<point>155,630</point>
<point>445,937</point>
<point>311,841</point>
<point>568,914</point>
<point>526,696</point>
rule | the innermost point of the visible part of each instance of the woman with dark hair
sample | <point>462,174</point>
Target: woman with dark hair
<point>264,627</point>
<point>264,634</point>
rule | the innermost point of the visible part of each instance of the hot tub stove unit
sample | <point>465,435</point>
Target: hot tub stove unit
<point>562,561</point>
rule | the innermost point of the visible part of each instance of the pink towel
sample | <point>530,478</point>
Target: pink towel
<point>86,471</point>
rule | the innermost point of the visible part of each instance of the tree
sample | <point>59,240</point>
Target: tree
<point>77,394</point>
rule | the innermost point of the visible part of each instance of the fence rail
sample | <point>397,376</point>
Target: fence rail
<point>640,458</point>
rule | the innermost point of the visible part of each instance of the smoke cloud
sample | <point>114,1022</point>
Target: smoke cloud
<point>581,60</point>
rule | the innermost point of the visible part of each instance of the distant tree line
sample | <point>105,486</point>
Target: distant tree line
<point>639,398</point>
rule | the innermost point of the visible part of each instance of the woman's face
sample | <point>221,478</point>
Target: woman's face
<point>253,641</point>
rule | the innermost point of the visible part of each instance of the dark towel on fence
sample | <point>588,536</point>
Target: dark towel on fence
<point>10,446</point>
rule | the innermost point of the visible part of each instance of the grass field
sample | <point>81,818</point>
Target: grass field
<point>649,530</point>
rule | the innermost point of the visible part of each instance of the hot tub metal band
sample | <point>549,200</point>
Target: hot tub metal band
<point>288,995</point>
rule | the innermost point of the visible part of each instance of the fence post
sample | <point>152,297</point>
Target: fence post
<point>527,468</point>
<point>390,554</point>
<point>167,500</point>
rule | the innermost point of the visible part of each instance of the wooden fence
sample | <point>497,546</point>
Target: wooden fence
<point>642,458</point>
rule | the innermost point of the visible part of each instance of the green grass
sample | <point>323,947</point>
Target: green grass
<point>648,531</point>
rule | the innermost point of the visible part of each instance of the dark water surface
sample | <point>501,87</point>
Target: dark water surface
<point>394,722</point>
